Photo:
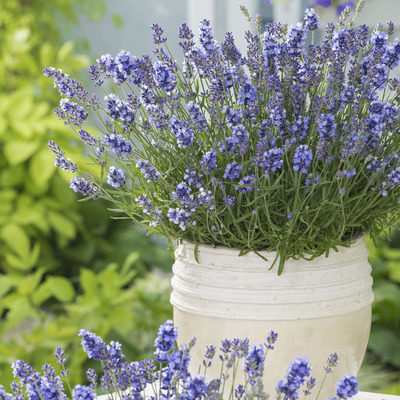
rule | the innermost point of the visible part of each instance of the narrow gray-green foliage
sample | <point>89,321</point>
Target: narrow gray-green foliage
<point>290,147</point>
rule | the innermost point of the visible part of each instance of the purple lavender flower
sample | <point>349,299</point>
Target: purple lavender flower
<point>157,34</point>
<point>206,37</point>
<point>391,57</point>
<point>247,183</point>
<point>233,117</point>
<point>118,109</point>
<point>229,200</point>
<point>312,180</point>
<point>323,3</point>
<point>272,160</point>
<point>347,387</point>
<point>299,370</point>
<point>393,179</point>
<point>209,161</point>
<point>81,185</point>
<point>232,171</point>
<point>59,354</point>
<point>379,39</point>
<point>145,203</point>
<point>93,345</point>
<point>311,19</point>
<point>164,77</point>
<point>177,368</point>
<point>114,357</point>
<point>71,112</point>
<point>195,387</point>
<point>302,158</point>
<point>117,143</point>
<point>125,66</point>
<point>180,217</point>
<point>116,178</point>
<point>197,116</point>
<point>61,161</point>
<point>4,395</point>
<point>147,96</point>
<point>182,190</point>
<point>86,137</point>
<point>187,36</point>
<point>165,341</point>
<point>295,40</point>
<point>309,386</point>
<point>247,92</point>
<point>81,392</point>
<point>205,198</point>
<point>192,177</point>
<point>327,126</point>
<point>254,364</point>
<point>92,377</point>
<point>348,173</point>
<point>24,372</point>
<point>229,49</point>
<point>331,362</point>
<point>67,87</point>
<point>209,355</point>
<point>148,170</point>
<point>184,135</point>
<point>341,7</point>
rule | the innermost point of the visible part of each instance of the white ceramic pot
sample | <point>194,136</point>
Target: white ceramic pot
<point>317,307</point>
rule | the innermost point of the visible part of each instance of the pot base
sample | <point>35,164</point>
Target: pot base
<point>317,338</point>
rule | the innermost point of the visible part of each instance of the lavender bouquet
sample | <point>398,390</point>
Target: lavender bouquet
<point>168,377</point>
<point>291,147</point>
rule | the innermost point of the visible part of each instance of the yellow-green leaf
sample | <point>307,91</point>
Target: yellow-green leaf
<point>41,167</point>
<point>17,151</point>
<point>62,225</point>
<point>61,288</point>
<point>16,239</point>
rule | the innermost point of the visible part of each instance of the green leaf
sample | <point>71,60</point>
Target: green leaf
<point>386,344</point>
<point>16,239</point>
<point>6,201</point>
<point>89,281</point>
<point>17,151</point>
<point>65,50</point>
<point>21,103</point>
<point>30,282</point>
<point>46,54</point>
<point>117,20</point>
<point>42,294</point>
<point>121,320</point>
<point>41,167</point>
<point>61,288</point>
<point>6,283</point>
<point>62,225</point>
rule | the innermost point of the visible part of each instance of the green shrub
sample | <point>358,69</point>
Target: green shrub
<point>55,252</point>
<point>113,303</point>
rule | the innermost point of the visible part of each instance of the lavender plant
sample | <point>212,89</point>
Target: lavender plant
<point>167,376</point>
<point>287,147</point>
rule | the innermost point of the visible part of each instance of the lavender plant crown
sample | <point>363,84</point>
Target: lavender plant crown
<point>285,146</point>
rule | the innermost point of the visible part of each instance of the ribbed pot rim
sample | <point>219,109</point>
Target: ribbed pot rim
<point>356,241</point>
<point>225,285</point>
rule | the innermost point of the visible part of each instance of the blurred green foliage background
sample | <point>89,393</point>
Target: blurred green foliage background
<point>66,265</point>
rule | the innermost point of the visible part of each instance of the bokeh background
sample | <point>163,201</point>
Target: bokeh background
<point>67,265</point>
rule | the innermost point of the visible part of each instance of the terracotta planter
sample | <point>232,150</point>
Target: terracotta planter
<point>317,307</point>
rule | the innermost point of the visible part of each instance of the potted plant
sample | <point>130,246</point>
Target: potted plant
<point>267,168</point>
